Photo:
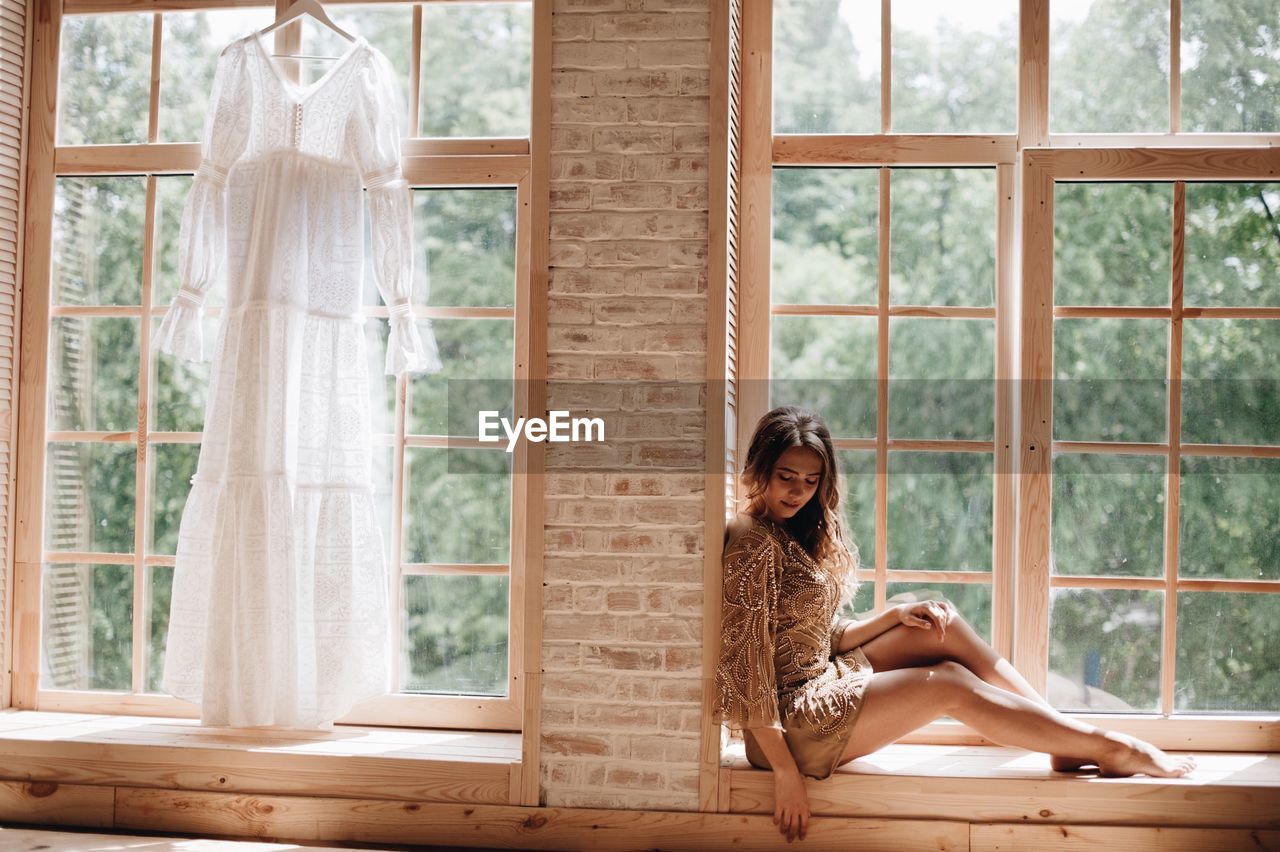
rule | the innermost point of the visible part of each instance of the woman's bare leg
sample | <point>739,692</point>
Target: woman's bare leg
<point>903,646</point>
<point>899,701</point>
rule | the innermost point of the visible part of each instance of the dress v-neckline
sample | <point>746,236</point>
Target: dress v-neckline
<point>303,93</point>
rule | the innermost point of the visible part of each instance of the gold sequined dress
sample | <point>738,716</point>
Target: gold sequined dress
<point>776,669</point>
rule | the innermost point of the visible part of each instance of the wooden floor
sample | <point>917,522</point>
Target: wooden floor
<point>35,840</point>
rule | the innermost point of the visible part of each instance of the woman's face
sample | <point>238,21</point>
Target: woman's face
<point>795,479</point>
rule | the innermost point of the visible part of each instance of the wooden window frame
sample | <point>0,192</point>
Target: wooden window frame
<point>519,164</point>
<point>1026,164</point>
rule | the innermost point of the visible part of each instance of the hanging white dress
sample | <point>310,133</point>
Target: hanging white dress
<point>279,606</point>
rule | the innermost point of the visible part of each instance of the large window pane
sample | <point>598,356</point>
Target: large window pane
<point>1230,518</point>
<point>1108,515</point>
<point>87,619</point>
<point>159,595</point>
<point>940,508</point>
<point>1228,644</point>
<point>169,471</point>
<point>1109,379</point>
<point>1232,246</point>
<point>476,69</point>
<point>104,79</point>
<point>825,236</point>
<point>1109,66</point>
<point>941,378</point>
<point>89,490</point>
<point>93,374</point>
<point>458,506</point>
<point>826,66</point>
<point>954,67</point>
<point>942,241</point>
<point>828,364</point>
<point>180,388</point>
<point>189,54</point>
<point>479,363</point>
<point>1104,650</point>
<point>455,635</point>
<point>1113,243</point>
<point>1231,387</point>
<point>1230,66</point>
<point>97,240</point>
<point>858,470</point>
<point>469,236</point>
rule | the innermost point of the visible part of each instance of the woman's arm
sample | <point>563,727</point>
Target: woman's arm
<point>790,801</point>
<point>860,632</point>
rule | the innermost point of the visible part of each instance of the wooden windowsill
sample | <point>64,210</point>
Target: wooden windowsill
<point>993,784</point>
<point>178,754</point>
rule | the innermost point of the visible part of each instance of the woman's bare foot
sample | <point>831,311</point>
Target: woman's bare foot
<point>1132,756</point>
<point>1069,764</point>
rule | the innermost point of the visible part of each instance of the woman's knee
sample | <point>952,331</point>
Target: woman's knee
<point>954,682</point>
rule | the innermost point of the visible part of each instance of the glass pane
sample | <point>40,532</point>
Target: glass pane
<point>858,470</point>
<point>941,378</point>
<point>171,197</point>
<point>159,596</point>
<point>864,600</point>
<point>455,638</point>
<point>87,621</point>
<point>1232,252</point>
<point>828,364</point>
<point>192,41</point>
<point>955,68</point>
<point>1104,650</point>
<point>93,374</point>
<point>1109,66</point>
<point>826,66</point>
<point>1109,379</point>
<point>940,508</point>
<point>1228,644</point>
<point>1108,515</point>
<point>1228,515</point>
<point>469,237</point>
<point>971,600</point>
<point>180,390</point>
<point>479,369</point>
<point>458,506</point>
<point>825,244</point>
<point>1230,387</point>
<point>1230,66</point>
<point>104,82</point>
<point>476,69</point>
<point>386,27</point>
<point>89,503</point>
<point>169,471</point>
<point>97,240</point>
<point>940,251</point>
<point>1112,243</point>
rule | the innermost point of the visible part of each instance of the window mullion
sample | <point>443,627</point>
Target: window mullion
<point>1169,638</point>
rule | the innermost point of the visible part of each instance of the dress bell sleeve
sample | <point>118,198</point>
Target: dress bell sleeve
<point>202,235</point>
<point>376,142</point>
<point>746,680</point>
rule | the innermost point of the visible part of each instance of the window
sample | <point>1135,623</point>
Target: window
<point>121,427</point>
<point>916,190</point>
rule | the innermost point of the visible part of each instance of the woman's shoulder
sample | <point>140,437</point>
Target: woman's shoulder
<point>745,529</point>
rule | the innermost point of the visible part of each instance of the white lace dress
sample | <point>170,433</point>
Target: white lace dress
<point>279,613</point>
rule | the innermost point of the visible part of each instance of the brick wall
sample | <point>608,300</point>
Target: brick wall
<point>627,305</point>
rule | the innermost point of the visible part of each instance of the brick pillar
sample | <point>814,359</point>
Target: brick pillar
<point>627,305</point>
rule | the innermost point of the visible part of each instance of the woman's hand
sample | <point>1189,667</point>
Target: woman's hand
<point>928,614</point>
<point>790,805</point>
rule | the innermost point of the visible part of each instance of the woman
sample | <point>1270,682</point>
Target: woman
<point>810,691</point>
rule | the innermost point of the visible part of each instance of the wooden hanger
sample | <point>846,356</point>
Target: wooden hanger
<point>308,7</point>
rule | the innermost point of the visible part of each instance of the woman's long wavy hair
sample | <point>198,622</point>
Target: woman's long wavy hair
<point>818,525</point>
